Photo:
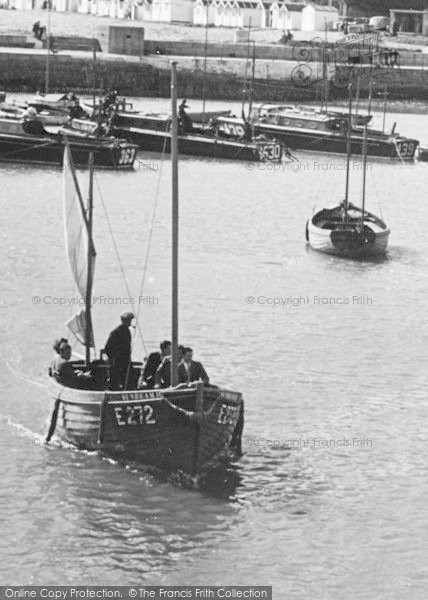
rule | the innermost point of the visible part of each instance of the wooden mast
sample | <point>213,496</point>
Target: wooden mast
<point>174,164</point>
<point>244,91</point>
<point>363,200</point>
<point>48,49</point>
<point>253,74</point>
<point>348,152</point>
<point>204,93</point>
<point>88,296</point>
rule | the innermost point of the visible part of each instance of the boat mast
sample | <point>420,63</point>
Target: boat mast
<point>253,73</point>
<point>363,200</point>
<point>385,95</point>
<point>205,63</point>
<point>348,152</point>
<point>244,91</point>
<point>88,297</point>
<point>48,48</point>
<point>324,69</point>
<point>174,164</point>
<point>369,109</point>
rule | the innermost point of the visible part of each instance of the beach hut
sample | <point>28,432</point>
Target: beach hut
<point>253,12</point>
<point>316,18</point>
<point>84,7</point>
<point>285,15</point>
<point>142,10</point>
<point>204,12</point>
<point>177,11</point>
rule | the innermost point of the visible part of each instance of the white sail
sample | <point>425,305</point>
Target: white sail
<point>80,249</point>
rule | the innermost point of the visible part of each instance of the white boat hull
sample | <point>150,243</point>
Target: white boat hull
<point>349,242</point>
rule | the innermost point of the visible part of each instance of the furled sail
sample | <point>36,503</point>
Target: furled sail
<point>80,249</point>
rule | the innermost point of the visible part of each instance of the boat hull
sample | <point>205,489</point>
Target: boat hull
<point>350,241</point>
<point>174,429</point>
<point>49,149</point>
<point>335,143</point>
<point>202,145</point>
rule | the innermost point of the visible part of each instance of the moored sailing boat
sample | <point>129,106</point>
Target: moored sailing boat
<point>347,230</point>
<point>178,428</point>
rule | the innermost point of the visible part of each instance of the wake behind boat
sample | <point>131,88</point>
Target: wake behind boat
<point>186,427</point>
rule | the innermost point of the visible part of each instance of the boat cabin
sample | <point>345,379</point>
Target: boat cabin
<point>295,117</point>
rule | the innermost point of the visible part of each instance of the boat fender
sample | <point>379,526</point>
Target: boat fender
<point>307,231</point>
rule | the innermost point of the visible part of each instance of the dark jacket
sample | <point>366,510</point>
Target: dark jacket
<point>163,372</point>
<point>151,364</point>
<point>118,345</point>
<point>196,373</point>
<point>63,371</point>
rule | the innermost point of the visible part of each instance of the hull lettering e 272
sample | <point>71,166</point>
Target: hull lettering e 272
<point>134,414</point>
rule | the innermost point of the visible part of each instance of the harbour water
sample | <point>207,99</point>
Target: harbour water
<point>328,501</point>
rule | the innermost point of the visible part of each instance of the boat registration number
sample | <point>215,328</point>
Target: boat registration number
<point>227,414</point>
<point>270,152</point>
<point>127,156</point>
<point>406,149</point>
<point>134,414</point>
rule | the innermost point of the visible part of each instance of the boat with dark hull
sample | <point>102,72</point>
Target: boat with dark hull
<point>184,428</point>
<point>223,138</point>
<point>347,230</point>
<point>27,141</point>
<point>209,134</point>
<point>314,130</point>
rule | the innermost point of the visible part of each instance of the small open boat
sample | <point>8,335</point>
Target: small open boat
<point>186,427</point>
<point>347,230</point>
<point>360,235</point>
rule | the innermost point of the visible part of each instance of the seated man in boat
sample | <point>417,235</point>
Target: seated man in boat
<point>63,371</point>
<point>76,111</point>
<point>190,370</point>
<point>118,350</point>
<point>163,372</point>
<point>185,121</point>
<point>31,122</point>
<point>151,364</point>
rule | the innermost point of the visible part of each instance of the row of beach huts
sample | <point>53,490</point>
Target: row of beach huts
<point>273,14</point>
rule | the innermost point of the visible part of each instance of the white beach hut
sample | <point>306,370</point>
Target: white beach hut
<point>177,11</point>
<point>142,10</point>
<point>317,18</point>
<point>204,12</point>
<point>251,11</point>
<point>84,7</point>
<point>285,15</point>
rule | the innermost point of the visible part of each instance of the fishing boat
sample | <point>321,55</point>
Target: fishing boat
<point>25,140</point>
<point>347,230</point>
<point>182,428</point>
<point>210,134</point>
<point>224,137</point>
<point>316,130</point>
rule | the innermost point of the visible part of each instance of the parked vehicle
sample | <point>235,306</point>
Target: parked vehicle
<point>379,24</point>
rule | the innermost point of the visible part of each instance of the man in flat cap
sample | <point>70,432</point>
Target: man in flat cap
<point>118,350</point>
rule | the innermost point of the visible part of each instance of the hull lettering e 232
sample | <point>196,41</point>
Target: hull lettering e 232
<point>137,414</point>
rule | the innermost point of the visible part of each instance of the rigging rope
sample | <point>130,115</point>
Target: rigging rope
<point>119,259</point>
<point>152,221</point>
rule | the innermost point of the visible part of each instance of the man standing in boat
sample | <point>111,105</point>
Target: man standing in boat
<point>118,350</point>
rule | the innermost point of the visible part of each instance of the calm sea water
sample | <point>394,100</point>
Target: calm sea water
<point>328,501</point>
